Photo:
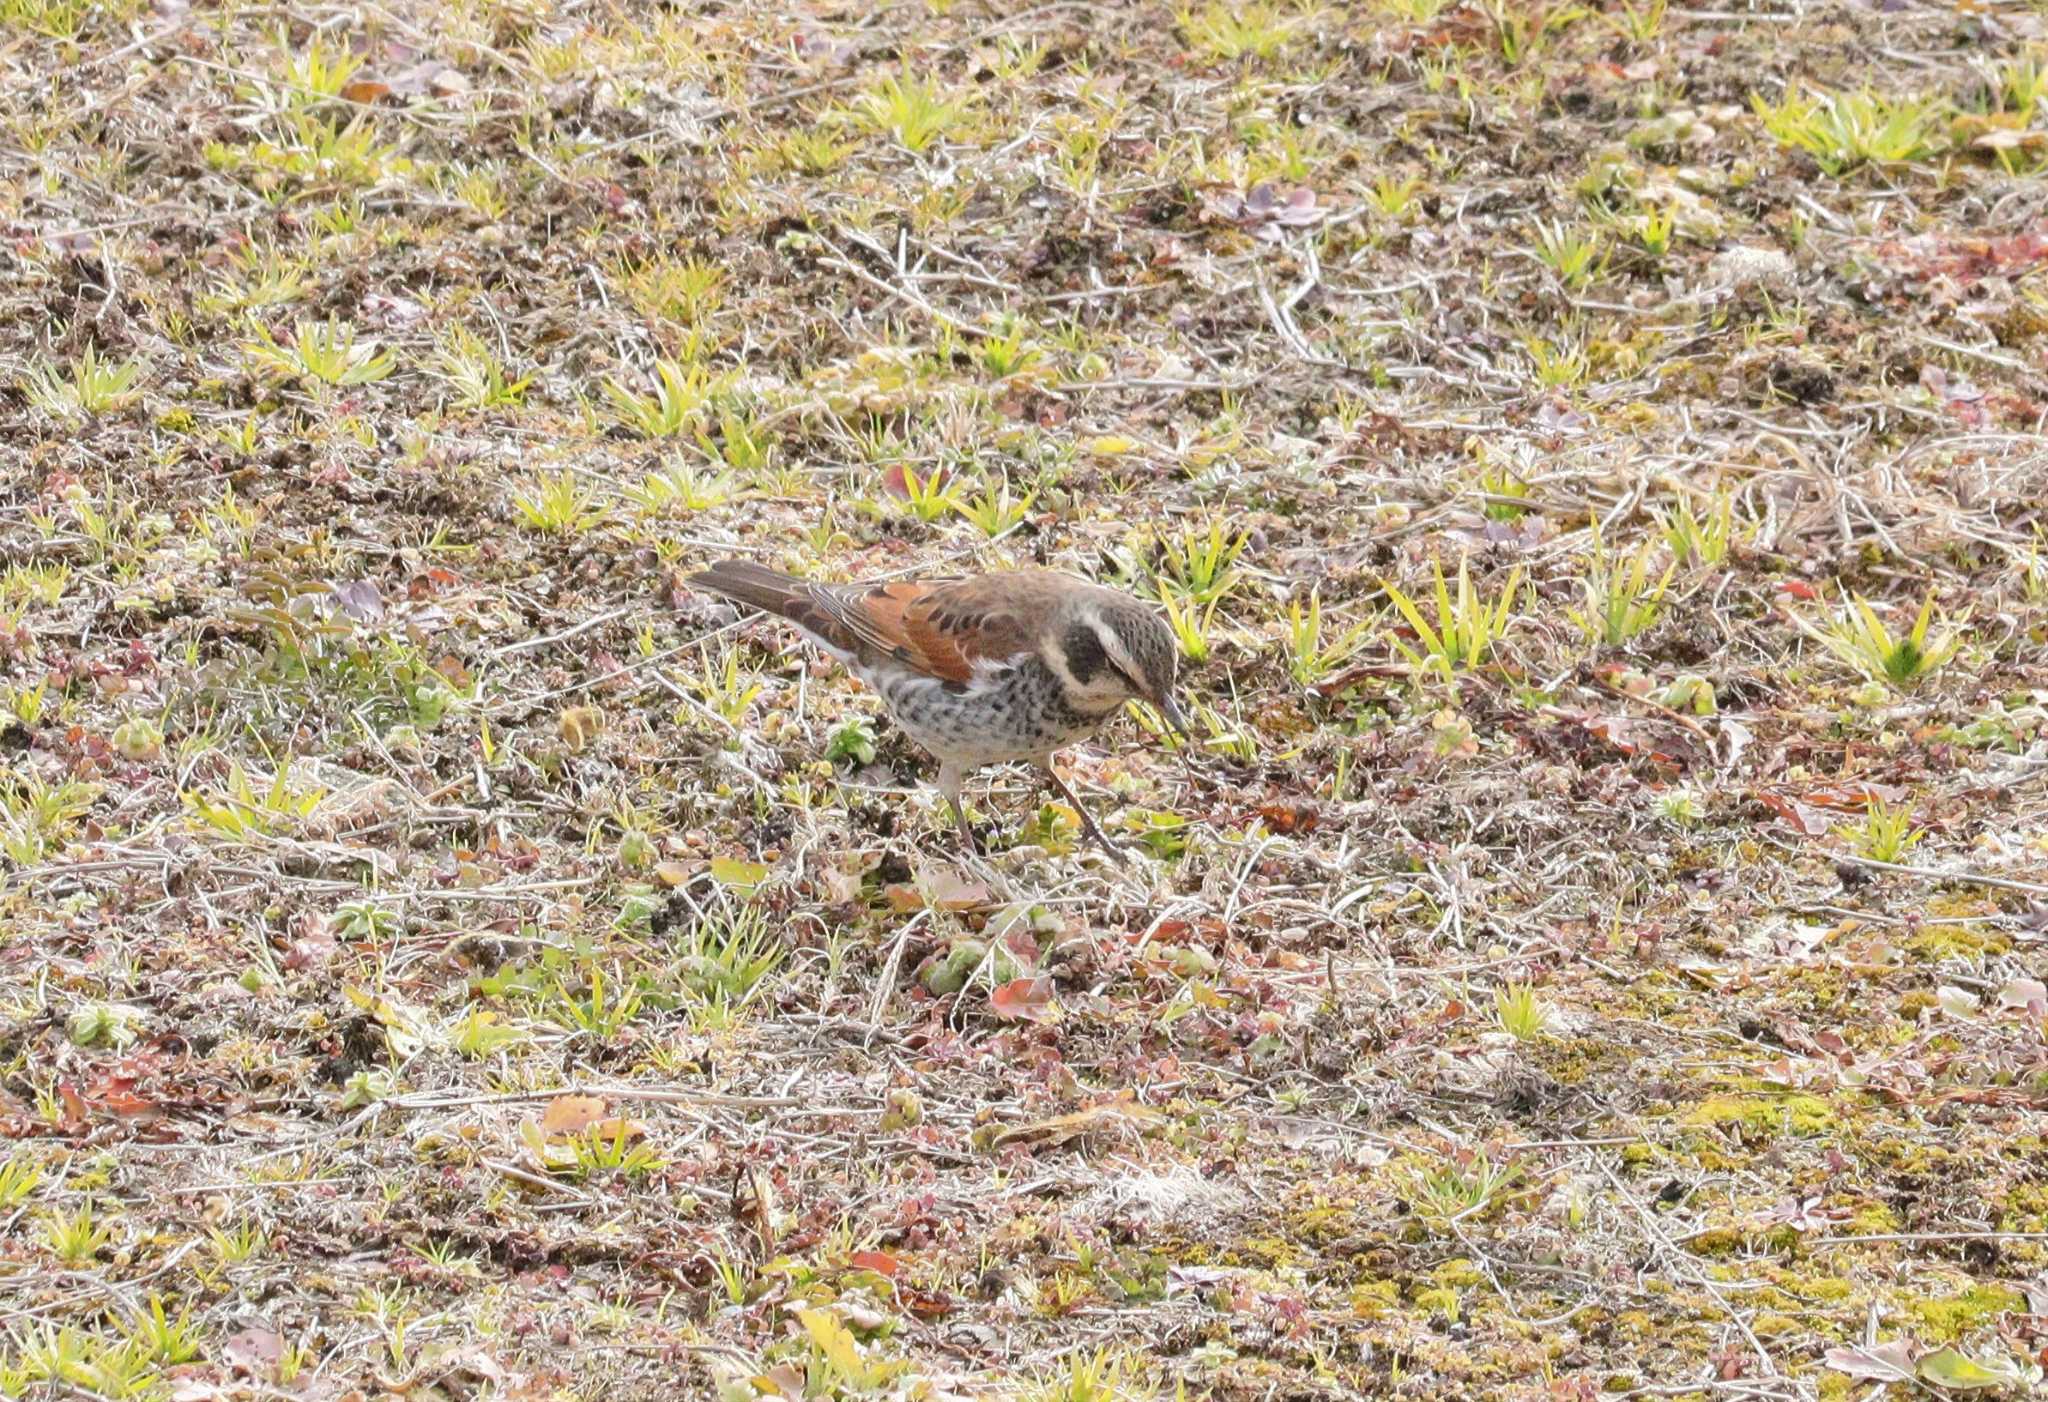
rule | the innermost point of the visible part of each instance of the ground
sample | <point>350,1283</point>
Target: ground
<point>1592,947</point>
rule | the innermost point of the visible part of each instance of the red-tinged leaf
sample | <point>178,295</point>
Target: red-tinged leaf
<point>1290,817</point>
<point>925,1304</point>
<point>1798,589</point>
<point>1025,999</point>
<point>365,90</point>
<point>74,1104</point>
<point>1808,822</point>
<point>572,1114</point>
<point>897,485</point>
<point>880,1262</point>
<point>254,1350</point>
<point>1453,1010</point>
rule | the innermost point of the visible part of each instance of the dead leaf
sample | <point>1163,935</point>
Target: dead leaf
<point>254,1350</point>
<point>940,887</point>
<point>365,90</point>
<point>1888,1362</point>
<point>572,1114</point>
<point>1113,1116</point>
<point>1024,999</point>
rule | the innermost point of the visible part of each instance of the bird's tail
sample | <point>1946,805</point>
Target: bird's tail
<point>757,586</point>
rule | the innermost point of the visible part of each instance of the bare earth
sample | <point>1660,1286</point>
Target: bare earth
<point>442,956</point>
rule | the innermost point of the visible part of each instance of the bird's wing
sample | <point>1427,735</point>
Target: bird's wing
<point>944,628</point>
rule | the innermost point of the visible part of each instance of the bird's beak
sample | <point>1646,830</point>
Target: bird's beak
<point>1170,709</point>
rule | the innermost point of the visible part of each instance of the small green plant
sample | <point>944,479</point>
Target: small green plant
<point>1886,833</point>
<point>1842,131</point>
<point>325,352</point>
<point>995,512</point>
<point>594,1010</point>
<point>1392,198</point>
<point>89,386</point>
<point>242,812</point>
<point>1621,602</point>
<point>727,955</point>
<point>479,1034</point>
<point>932,495</point>
<point>681,394</point>
<point>1226,33</point>
<point>19,1177</point>
<point>723,687</point>
<point>1654,227</point>
<point>1009,351</point>
<point>1860,638</point>
<point>1505,494</point>
<point>1467,1185</point>
<point>558,504</point>
<point>1190,622</point>
<point>744,445</point>
<point>913,111</point>
<point>1518,1012</point>
<point>1089,1376</point>
<point>75,1238</point>
<point>1466,630</point>
<point>1693,541</point>
<point>683,486</point>
<point>1576,257</point>
<point>1681,807</point>
<point>688,291</point>
<point>814,150</point>
<point>1202,563</point>
<point>39,582</point>
<point>319,69</point>
<point>240,1243</point>
<point>1640,25</point>
<point>474,374</point>
<point>1311,657</point>
<point>358,921</point>
<point>37,817</point>
<point>1558,366</point>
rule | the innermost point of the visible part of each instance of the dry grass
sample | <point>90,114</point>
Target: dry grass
<point>444,957</point>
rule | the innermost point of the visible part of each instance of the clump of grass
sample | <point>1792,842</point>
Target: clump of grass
<point>87,385</point>
<point>1201,563</point>
<point>1226,33</point>
<point>915,112</point>
<point>1519,1012</point>
<point>680,395</point>
<point>1311,656</point>
<point>1621,602</point>
<point>1842,131</point>
<point>1886,833</point>
<point>1693,541</point>
<point>1860,638</point>
<point>325,353</point>
<point>1466,629</point>
<point>558,504</point>
<point>1576,256</point>
<point>475,375</point>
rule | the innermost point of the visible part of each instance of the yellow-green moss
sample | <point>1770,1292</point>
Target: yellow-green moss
<point>1764,1113</point>
<point>1944,1321</point>
<point>1950,941</point>
<point>1440,1299</point>
<point>1458,1272</point>
<point>1373,1298</point>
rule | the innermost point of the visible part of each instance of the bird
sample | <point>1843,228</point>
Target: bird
<point>981,669</point>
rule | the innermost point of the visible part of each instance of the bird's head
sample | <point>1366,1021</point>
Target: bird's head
<point>1108,647</point>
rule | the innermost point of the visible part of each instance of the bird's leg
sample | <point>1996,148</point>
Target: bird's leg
<point>1088,826</point>
<point>951,779</point>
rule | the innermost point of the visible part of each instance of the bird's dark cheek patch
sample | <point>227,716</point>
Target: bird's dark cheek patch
<point>1084,654</point>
